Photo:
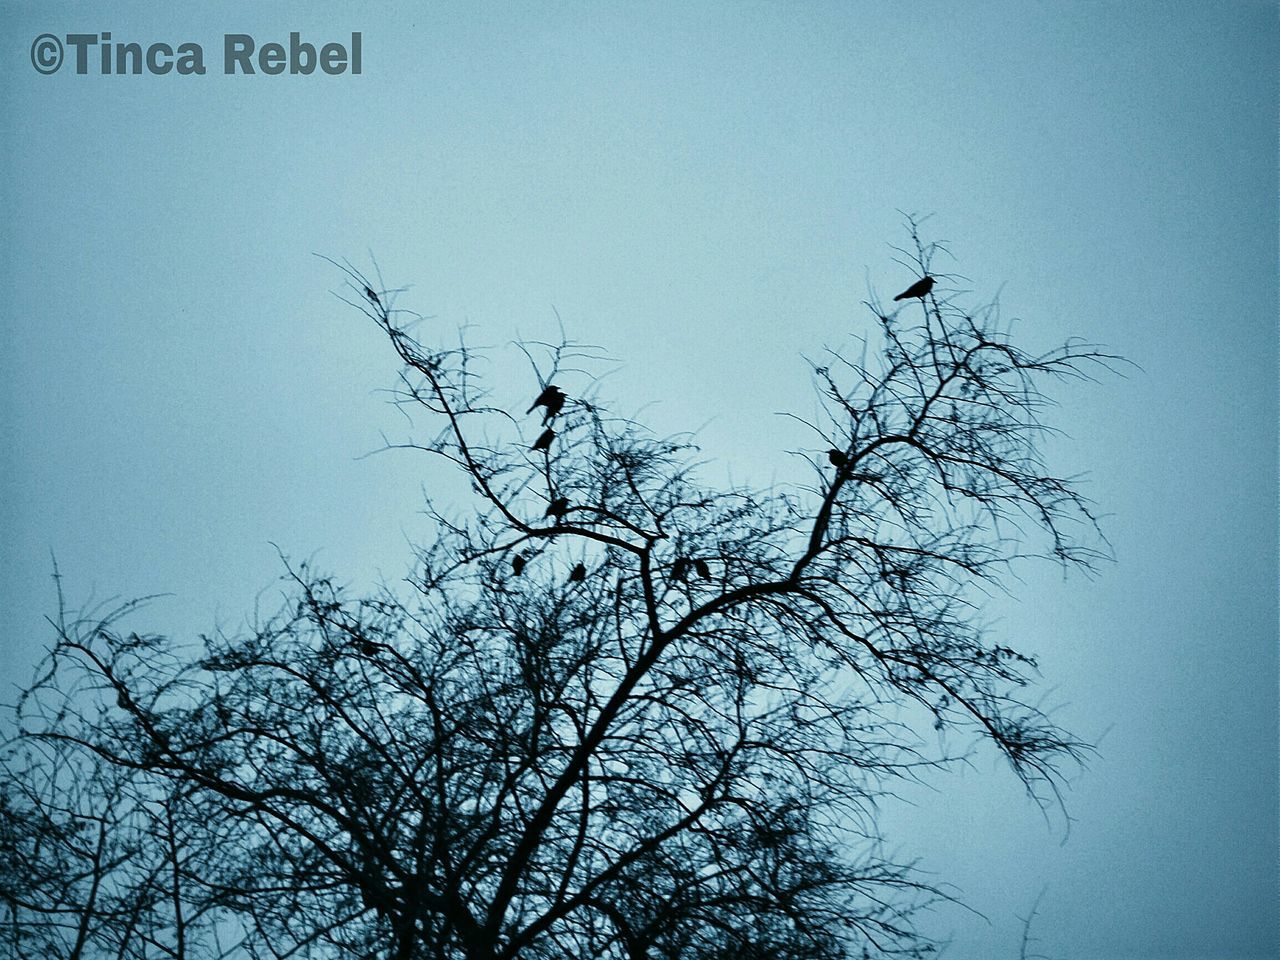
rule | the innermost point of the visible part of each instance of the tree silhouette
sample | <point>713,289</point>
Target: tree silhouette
<point>555,742</point>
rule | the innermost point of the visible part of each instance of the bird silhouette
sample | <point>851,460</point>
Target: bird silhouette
<point>558,508</point>
<point>919,289</point>
<point>544,440</point>
<point>551,397</point>
<point>517,564</point>
<point>837,458</point>
<point>368,292</point>
<point>701,569</point>
<point>578,574</point>
<point>680,569</point>
<point>554,406</point>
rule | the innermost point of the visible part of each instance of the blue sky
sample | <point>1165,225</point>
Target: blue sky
<point>707,190</point>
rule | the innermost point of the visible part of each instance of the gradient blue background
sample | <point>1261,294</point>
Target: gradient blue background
<point>706,190</point>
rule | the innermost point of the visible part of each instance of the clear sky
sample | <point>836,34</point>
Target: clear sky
<point>706,189</point>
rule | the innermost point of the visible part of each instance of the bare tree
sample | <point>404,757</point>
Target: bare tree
<point>613,712</point>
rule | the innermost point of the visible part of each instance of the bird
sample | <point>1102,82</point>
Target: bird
<point>551,397</point>
<point>368,292</point>
<point>701,569</point>
<point>918,289</point>
<point>517,564</point>
<point>544,440</point>
<point>578,574</point>
<point>558,508</point>
<point>837,458</point>
<point>554,406</point>
<point>680,569</point>
<point>549,391</point>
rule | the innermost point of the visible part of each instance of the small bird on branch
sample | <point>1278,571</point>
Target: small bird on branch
<point>680,569</point>
<point>578,574</point>
<point>558,508</point>
<point>551,397</point>
<point>918,290</point>
<point>701,569</point>
<point>837,457</point>
<point>517,564</point>
<point>544,440</point>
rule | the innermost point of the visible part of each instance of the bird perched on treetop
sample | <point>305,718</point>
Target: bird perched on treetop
<point>701,569</point>
<point>919,289</point>
<point>837,457</point>
<point>551,397</point>
<point>544,440</point>
<point>558,508</point>
<point>578,574</point>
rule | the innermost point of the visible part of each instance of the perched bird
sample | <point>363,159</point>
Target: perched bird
<point>680,569</point>
<point>549,391</point>
<point>701,569</point>
<point>544,440</point>
<point>553,398</point>
<point>517,564</point>
<point>919,289</point>
<point>368,292</point>
<point>558,508</point>
<point>837,458</point>
<point>554,406</point>
<point>578,574</point>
